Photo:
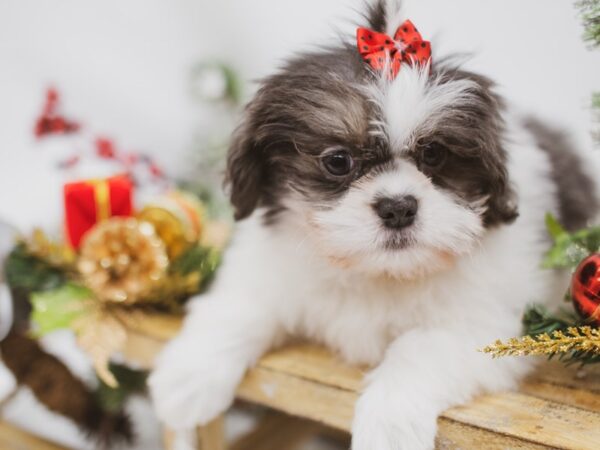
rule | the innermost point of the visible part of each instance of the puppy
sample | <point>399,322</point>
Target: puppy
<point>394,214</point>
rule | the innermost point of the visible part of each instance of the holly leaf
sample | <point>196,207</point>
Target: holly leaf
<point>58,308</point>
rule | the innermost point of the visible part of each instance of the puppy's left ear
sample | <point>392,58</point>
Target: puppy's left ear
<point>486,111</point>
<point>245,170</point>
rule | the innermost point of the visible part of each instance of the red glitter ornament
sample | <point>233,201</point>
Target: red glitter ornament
<point>585,289</point>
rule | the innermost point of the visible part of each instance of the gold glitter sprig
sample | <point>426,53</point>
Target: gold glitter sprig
<point>575,339</point>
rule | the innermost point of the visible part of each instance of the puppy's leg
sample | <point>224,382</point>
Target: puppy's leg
<point>423,373</point>
<point>197,374</point>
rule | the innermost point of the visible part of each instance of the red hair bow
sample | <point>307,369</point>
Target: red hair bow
<point>407,46</point>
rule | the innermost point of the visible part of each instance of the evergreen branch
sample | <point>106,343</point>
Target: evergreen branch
<point>590,15</point>
<point>538,320</point>
<point>28,273</point>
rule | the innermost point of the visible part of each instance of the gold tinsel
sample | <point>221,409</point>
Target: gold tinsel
<point>584,339</point>
<point>122,260</point>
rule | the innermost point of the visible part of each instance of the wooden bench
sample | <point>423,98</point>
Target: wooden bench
<point>556,407</point>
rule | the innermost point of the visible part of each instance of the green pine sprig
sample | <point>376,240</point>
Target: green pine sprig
<point>590,15</point>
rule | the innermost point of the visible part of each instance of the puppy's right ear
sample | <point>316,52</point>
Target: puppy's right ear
<point>244,172</point>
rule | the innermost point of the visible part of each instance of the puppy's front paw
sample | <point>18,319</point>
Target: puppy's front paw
<point>191,387</point>
<point>385,422</point>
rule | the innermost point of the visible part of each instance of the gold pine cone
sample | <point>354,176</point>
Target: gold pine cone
<point>122,260</point>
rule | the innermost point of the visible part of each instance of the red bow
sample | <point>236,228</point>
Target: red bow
<point>407,46</point>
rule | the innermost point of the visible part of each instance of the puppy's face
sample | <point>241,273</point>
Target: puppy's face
<point>387,177</point>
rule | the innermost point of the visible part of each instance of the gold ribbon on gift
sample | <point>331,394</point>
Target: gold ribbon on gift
<point>102,198</point>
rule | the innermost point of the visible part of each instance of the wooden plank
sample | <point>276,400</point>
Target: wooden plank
<point>457,436</point>
<point>316,364</point>
<point>299,397</point>
<point>569,385</point>
<point>277,432</point>
<point>580,398</point>
<point>212,435</point>
<point>512,417</point>
<point>531,420</point>
<point>168,437</point>
<point>13,438</point>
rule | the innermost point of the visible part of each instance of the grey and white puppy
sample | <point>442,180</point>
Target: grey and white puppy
<point>398,222</point>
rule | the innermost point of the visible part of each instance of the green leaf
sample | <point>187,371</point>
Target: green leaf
<point>569,248</point>
<point>554,228</point>
<point>57,309</point>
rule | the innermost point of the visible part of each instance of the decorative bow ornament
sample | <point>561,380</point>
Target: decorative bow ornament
<point>384,52</point>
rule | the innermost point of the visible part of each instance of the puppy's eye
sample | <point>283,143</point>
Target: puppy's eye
<point>338,163</point>
<point>434,155</point>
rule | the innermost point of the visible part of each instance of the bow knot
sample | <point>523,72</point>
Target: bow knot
<point>382,51</point>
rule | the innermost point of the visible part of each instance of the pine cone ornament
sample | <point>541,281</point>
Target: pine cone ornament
<point>122,260</point>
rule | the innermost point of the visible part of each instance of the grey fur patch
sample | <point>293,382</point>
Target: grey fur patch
<point>577,199</point>
<point>473,132</point>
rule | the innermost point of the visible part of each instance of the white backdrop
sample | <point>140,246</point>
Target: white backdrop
<point>123,67</point>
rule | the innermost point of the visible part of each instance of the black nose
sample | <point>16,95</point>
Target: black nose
<point>397,212</point>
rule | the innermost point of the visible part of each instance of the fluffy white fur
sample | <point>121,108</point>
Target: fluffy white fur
<point>416,315</point>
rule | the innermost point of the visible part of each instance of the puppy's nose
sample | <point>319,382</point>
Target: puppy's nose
<point>398,212</point>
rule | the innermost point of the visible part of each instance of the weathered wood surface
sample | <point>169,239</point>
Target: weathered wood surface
<point>556,407</point>
<point>13,438</point>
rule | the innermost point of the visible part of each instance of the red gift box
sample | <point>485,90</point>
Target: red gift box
<point>89,202</point>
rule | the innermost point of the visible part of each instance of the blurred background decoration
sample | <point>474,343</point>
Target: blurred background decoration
<point>137,100</point>
<point>590,15</point>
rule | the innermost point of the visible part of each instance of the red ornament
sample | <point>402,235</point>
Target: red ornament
<point>585,289</point>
